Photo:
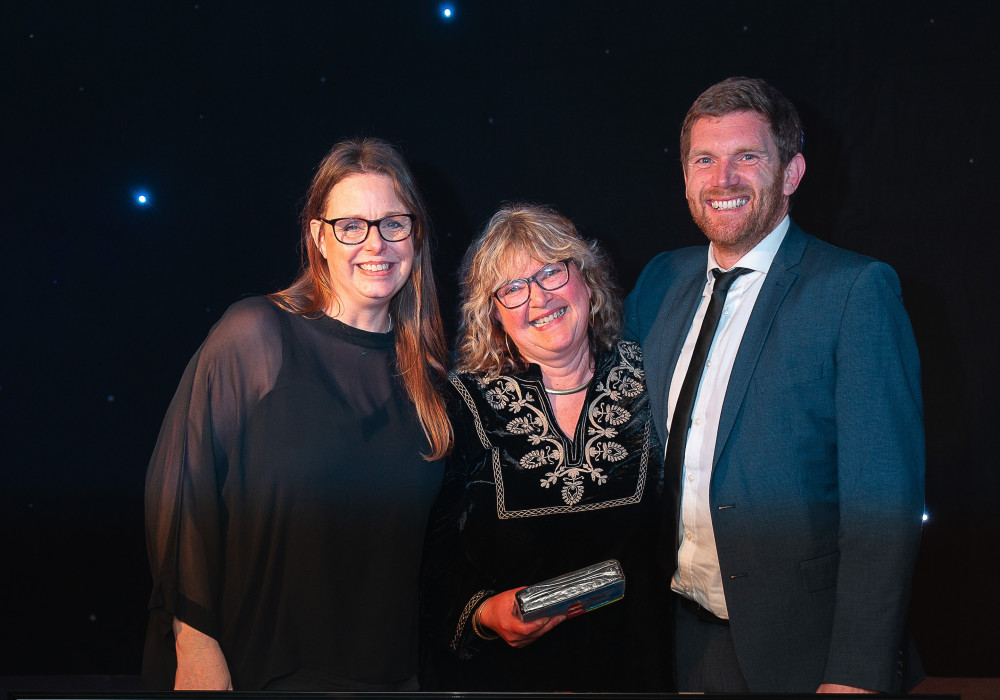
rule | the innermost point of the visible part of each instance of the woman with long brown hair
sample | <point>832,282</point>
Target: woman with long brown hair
<point>288,493</point>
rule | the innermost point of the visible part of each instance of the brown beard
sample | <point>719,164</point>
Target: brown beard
<point>769,209</point>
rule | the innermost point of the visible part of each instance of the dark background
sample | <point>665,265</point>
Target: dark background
<point>219,111</point>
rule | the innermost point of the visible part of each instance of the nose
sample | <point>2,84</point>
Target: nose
<point>724,174</point>
<point>373,241</point>
<point>538,296</point>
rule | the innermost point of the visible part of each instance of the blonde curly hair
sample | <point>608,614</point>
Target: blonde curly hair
<point>541,233</point>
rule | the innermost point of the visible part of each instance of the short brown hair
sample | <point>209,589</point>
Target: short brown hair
<point>748,95</point>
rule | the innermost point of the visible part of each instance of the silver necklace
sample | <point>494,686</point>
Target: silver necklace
<point>564,392</point>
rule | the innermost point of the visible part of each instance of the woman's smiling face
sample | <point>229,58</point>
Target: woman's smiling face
<point>366,276</point>
<point>552,325</point>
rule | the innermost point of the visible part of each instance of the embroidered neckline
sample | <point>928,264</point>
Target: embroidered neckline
<point>518,404</point>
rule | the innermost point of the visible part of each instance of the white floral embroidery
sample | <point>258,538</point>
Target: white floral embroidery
<point>611,414</point>
<point>538,458</point>
<point>604,415</point>
<point>496,398</point>
<point>572,491</point>
<point>523,425</point>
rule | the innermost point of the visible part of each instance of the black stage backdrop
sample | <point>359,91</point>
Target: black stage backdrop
<point>218,112</point>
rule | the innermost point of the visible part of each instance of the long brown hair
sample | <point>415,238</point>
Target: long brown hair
<point>421,351</point>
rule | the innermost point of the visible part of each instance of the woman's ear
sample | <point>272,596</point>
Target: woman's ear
<point>316,229</point>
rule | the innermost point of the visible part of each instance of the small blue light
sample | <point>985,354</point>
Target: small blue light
<point>446,12</point>
<point>926,517</point>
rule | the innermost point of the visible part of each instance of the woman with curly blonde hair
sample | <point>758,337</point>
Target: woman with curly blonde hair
<point>555,467</point>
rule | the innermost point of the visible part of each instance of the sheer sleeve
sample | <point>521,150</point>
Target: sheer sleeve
<point>453,586</point>
<point>198,447</point>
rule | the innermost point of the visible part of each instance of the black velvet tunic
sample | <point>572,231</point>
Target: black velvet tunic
<point>522,503</point>
<point>286,504</point>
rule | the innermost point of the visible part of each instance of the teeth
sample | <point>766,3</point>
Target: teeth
<point>550,318</point>
<point>729,203</point>
<point>374,267</point>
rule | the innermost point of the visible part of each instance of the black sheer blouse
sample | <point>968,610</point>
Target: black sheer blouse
<point>286,503</point>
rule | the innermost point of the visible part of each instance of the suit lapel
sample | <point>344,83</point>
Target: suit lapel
<point>671,328</point>
<point>779,280</point>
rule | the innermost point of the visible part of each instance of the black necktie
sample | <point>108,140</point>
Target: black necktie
<point>681,419</point>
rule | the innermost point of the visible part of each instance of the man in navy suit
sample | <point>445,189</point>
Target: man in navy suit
<point>798,485</point>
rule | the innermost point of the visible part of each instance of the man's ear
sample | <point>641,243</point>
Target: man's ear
<point>794,171</point>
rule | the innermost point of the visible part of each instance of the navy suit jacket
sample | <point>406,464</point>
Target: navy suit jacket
<point>817,486</point>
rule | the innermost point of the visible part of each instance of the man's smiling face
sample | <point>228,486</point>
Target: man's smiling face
<point>736,187</point>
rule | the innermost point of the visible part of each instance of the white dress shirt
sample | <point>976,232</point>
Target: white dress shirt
<point>698,576</point>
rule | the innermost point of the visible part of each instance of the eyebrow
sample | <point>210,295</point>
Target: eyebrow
<point>508,280</point>
<point>757,148</point>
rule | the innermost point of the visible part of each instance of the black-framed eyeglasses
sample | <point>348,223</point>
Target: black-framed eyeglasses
<point>350,230</point>
<point>517,292</point>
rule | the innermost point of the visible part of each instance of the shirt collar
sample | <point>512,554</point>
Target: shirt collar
<point>760,257</point>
